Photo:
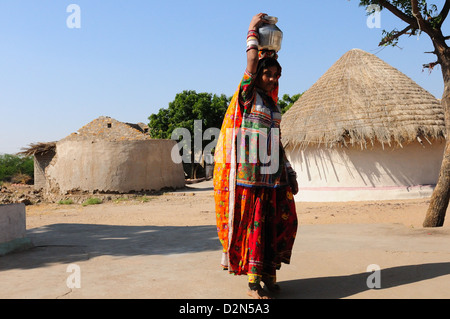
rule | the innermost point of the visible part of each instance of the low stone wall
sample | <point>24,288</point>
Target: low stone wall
<point>13,228</point>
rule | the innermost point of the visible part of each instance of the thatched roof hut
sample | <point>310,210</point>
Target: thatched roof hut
<point>363,131</point>
<point>362,100</point>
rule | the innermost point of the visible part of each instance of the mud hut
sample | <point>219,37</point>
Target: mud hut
<point>364,131</point>
<point>106,156</point>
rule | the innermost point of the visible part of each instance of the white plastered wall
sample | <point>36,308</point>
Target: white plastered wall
<point>353,174</point>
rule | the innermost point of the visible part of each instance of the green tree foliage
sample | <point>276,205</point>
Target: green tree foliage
<point>187,107</point>
<point>12,165</point>
<point>287,101</point>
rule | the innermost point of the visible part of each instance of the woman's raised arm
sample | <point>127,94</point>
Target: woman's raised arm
<point>252,42</point>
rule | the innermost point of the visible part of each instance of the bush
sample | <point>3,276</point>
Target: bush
<point>14,166</point>
<point>65,202</point>
<point>20,178</point>
<point>92,201</point>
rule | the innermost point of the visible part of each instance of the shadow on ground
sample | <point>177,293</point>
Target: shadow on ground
<point>67,243</point>
<point>344,286</point>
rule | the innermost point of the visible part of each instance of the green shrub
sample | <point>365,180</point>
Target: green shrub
<point>92,201</point>
<point>65,202</point>
<point>144,199</point>
<point>14,165</point>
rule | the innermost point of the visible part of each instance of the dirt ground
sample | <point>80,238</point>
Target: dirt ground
<point>166,247</point>
<point>173,209</point>
<point>194,205</point>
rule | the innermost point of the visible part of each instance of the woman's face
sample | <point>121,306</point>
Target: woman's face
<point>268,80</point>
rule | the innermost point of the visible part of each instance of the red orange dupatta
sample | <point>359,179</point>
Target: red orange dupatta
<point>225,174</point>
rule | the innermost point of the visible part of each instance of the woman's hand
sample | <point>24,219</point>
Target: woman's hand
<point>293,183</point>
<point>256,22</point>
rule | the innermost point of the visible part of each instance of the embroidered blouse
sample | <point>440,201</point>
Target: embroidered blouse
<point>261,160</point>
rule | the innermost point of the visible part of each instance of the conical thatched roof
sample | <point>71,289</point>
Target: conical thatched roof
<point>362,100</point>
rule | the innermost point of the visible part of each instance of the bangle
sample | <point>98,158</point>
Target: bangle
<point>253,33</point>
<point>252,40</point>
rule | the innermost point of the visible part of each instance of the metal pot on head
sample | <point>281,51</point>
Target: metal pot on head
<point>270,36</point>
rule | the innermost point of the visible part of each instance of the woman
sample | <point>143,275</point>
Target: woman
<point>254,183</point>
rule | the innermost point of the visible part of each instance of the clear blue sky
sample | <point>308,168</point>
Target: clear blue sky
<point>130,58</point>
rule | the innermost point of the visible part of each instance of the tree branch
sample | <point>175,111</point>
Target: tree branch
<point>444,12</point>
<point>430,65</point>
<point>394,36</point>
<point>423,25</point>
<point>389,6</point>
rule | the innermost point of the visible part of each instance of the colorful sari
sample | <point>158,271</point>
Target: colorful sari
<point>256,224</point>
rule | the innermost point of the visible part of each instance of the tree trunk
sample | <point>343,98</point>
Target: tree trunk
<point>440,198</point>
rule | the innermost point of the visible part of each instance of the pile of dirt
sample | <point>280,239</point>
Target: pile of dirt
<point>20,193</point>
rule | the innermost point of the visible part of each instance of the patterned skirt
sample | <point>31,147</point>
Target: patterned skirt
<point>265,226</point>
